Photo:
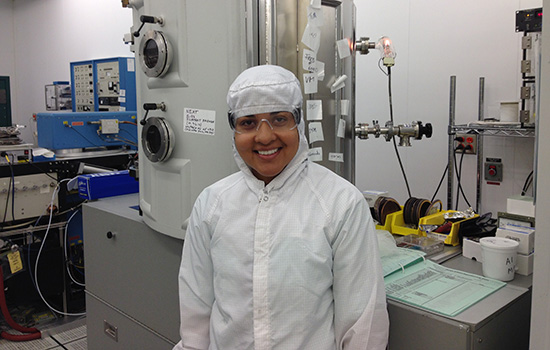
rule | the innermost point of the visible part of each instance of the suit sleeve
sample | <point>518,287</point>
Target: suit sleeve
<point>361,317</point>
<point>196,292</point>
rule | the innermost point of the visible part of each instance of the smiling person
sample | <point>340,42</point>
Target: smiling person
<point>283,254</point>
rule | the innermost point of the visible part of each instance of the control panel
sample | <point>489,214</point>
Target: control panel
<point>32,195</point>
<point>83,86</point>
<point>104,85</point>
<point>529,20</point>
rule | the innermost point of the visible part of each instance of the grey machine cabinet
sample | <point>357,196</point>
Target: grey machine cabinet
<point>499,322</point>
<point>131,278</point>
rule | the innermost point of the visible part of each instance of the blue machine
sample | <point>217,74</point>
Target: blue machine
<point>105,85</point>
<point>68,130</point>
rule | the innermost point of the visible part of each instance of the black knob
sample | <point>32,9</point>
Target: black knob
<point>424,130</point>
<point>110,235</point>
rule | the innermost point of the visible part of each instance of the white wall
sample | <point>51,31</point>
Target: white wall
<point>48,35</point>
<point>7,57</point>
<point>434,40</point>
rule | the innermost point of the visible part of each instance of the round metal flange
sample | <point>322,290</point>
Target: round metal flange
<point>155,54</point>
<point>157,139</point>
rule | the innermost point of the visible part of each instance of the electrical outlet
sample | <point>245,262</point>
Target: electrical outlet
<point>466,141</point>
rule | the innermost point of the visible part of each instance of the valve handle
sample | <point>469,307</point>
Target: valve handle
<point>145,19</point>
<point>425,130</point>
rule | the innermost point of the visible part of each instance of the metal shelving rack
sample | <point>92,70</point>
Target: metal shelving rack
<point>481,129</point>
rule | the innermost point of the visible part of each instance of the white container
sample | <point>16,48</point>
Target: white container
<point>499,257</point>
<point>509,111</point>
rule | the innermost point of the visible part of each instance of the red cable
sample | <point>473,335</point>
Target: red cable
<point>20,337</point>
<point>35,333</point>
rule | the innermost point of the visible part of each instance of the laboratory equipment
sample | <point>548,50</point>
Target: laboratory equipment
<point>58,96</point>
<point>104,85</point>
<point>188,54</point>
<point>106,184</point>
<point>5,101</point>
<point>405,132</point>
<point>115,235</point>
<point>75,132</point>
<point>31,194</point>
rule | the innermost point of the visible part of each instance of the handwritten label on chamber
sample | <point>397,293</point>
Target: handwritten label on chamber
<point>336,157</point>
<point>314,109</point>
<point>315,132</point>
<point>199,121</point>
<point>315,154</point>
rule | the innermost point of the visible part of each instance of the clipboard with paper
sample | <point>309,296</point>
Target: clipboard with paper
<point>411,279</point>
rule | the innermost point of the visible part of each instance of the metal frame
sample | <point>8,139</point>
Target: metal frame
<point>481,130</point>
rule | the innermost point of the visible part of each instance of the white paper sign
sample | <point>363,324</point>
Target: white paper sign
<point>310,83</point>
<point>320,70</point>
<point>341,129</point>
<point>315,16</point>
<point>316,132</point>
<point>309,60</point>
<point>312,37</point>
<point>131,64</point>
<point>199,121</point>
<point>316,4</point>
<point>314,110</point>
<point>338,83</point>
<point>344,107</point>
<point>315,154</point>
<point>336,157</point>
<point>343,48</point>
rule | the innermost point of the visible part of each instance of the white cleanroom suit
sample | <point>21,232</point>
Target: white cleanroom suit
<point>293,264</point>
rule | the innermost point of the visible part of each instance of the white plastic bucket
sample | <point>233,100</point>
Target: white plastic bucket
<point>499,256</point>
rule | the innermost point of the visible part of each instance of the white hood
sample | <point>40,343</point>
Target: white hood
<point>265,89</point>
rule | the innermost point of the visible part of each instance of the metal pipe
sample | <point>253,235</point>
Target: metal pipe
<point>479,149</point>
<point>450,157</point>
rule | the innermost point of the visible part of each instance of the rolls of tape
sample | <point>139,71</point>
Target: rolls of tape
<point>416,208</point>
<point>383,206</point>
<point>413,210</point>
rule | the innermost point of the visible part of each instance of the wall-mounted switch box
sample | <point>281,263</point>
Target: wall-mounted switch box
<point>467,142</point>
<point>493,169</point>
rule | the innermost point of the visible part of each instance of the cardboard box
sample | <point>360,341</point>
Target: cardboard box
<point>525,264</point>
<point>115,183</point>
<point>523,235</point>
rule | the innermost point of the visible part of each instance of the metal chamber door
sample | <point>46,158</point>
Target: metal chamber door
<point>187,55</point>
<point>280,40</point>
<point>189,52</point>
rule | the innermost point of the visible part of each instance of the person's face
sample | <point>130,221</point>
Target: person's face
<point>267,151</point>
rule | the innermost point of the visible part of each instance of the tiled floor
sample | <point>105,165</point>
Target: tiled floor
<point>66,336</point>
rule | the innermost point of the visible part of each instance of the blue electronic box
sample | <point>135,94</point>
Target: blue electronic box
<point>69,130</point>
